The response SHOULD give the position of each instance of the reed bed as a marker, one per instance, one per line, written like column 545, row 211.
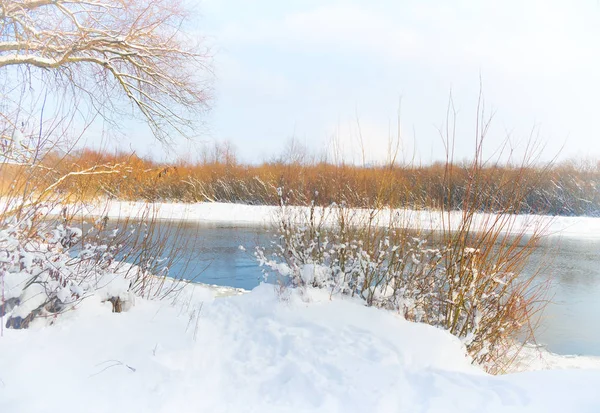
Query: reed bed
column 567, row 188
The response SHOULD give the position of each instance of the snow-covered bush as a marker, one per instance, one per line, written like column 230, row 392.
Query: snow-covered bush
column 50, row 257
column 465, row 281
column 40, row 277
column 48, row 265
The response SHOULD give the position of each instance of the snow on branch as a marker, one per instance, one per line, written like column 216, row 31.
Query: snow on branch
column 113, row 49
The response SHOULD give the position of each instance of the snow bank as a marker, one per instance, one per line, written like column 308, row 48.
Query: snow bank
column 239, row 214
column 533, row 358
column 259, row 353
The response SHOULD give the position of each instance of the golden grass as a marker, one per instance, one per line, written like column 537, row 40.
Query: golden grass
column 562, row 189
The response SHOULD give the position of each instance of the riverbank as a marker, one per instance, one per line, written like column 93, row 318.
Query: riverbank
column 265, row 216
column 265, row 352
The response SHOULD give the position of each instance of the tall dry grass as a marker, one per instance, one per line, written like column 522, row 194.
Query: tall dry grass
column 568, row 188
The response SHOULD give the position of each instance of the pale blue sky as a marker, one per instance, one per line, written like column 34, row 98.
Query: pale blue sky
column 310, row 68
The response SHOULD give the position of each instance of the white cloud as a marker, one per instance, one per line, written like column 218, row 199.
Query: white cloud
column 332, row 29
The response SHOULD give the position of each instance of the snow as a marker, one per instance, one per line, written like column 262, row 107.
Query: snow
column 264, row 215
column 307, row 273
column 533, row 358
column 219, row 349
column 258, row 352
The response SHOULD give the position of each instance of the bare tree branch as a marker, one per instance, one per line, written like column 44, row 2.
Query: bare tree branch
column 112, row 51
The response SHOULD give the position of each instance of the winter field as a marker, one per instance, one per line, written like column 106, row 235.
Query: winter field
column 272, row 349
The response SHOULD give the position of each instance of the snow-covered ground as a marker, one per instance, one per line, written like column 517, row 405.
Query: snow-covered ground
column 239, row 214
column 265, row 215
column 533, row 358
column 216, row 349
column 262, row 352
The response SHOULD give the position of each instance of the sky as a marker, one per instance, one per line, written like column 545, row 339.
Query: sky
column 332, row 74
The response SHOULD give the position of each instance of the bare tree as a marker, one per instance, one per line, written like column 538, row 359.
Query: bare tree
column 112, row 53
column 63, row 63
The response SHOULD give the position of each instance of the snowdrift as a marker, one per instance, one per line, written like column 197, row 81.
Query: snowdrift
column 266, row 351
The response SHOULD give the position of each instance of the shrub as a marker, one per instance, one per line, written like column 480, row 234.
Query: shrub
column 465, row 275
column 48, row 265
column 466, row 281
column 51, row 258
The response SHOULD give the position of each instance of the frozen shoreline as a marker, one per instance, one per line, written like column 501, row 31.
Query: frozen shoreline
column 265, row 216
